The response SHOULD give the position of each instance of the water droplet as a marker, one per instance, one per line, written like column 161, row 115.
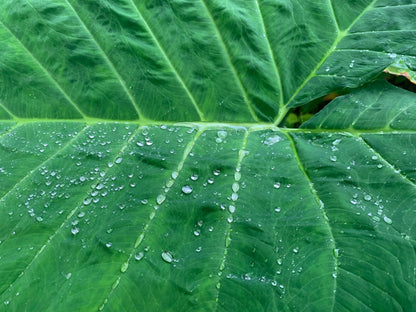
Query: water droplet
column 222, row 134
column 87, row 201
column 333, row 158
column 277, row 209
column 174, row 175
column 139, row 256
column 234, row 196
column 379, row 166
column 336, row 252
column 75, row 230
column 352, row 64
column 39, row 219
column 81, row 214
column 118, row 160
column 194, row 177
column 198, row 249
column 109, row 244
column 197, row 232
column 237, row 176
column 216, row 172
column 160, row 199
column 296, row 250
column 387, row 220
column 68, row 276
column 277, row 185
column 167, row 256
column 272, row 140
column 231, row 208
column 186, row 189
column 124, row 267
column 367, row 197
column 235, row 187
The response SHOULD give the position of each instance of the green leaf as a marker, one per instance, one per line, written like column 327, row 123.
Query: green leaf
column 143, row 166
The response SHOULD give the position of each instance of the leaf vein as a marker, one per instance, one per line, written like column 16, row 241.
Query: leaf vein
column 152, row 215
column 230, row 219
column 230, row 63
column 48, row 74
column 108, row 61
column 166, row 57
column 322, row 208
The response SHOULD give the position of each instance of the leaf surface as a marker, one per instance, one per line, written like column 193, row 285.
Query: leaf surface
column 143, row 167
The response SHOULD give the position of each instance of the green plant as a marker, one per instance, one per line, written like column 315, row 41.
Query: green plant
column 144, row 166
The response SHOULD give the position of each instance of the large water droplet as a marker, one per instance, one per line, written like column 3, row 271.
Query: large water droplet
column 160, row 198
column 235, row 187
column 387, row 220
column 167, row 256
column 272, row 140
column 139, row 256
column 367, row 197
column 186, row 189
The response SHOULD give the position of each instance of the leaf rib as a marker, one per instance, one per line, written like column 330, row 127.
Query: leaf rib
column 47, row 73
column 142, row 235
column 322, row 208
column 272, row 56
column 108, row 61
column 340, row 36
column 228, row 230
column 166, row 57
column 230, row 63
column 73, row 211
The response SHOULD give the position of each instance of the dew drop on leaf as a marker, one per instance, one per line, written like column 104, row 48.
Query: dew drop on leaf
column 277, row 185
column 333, row 158
column 367, row 197
column 139, row 256
column 160, row 198
column 124, row 267
column 167, row 256
column 272, row 140
column 387, row 220
column 186, row 189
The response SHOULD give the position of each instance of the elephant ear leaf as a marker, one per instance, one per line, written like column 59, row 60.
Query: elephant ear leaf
column 144, row 165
